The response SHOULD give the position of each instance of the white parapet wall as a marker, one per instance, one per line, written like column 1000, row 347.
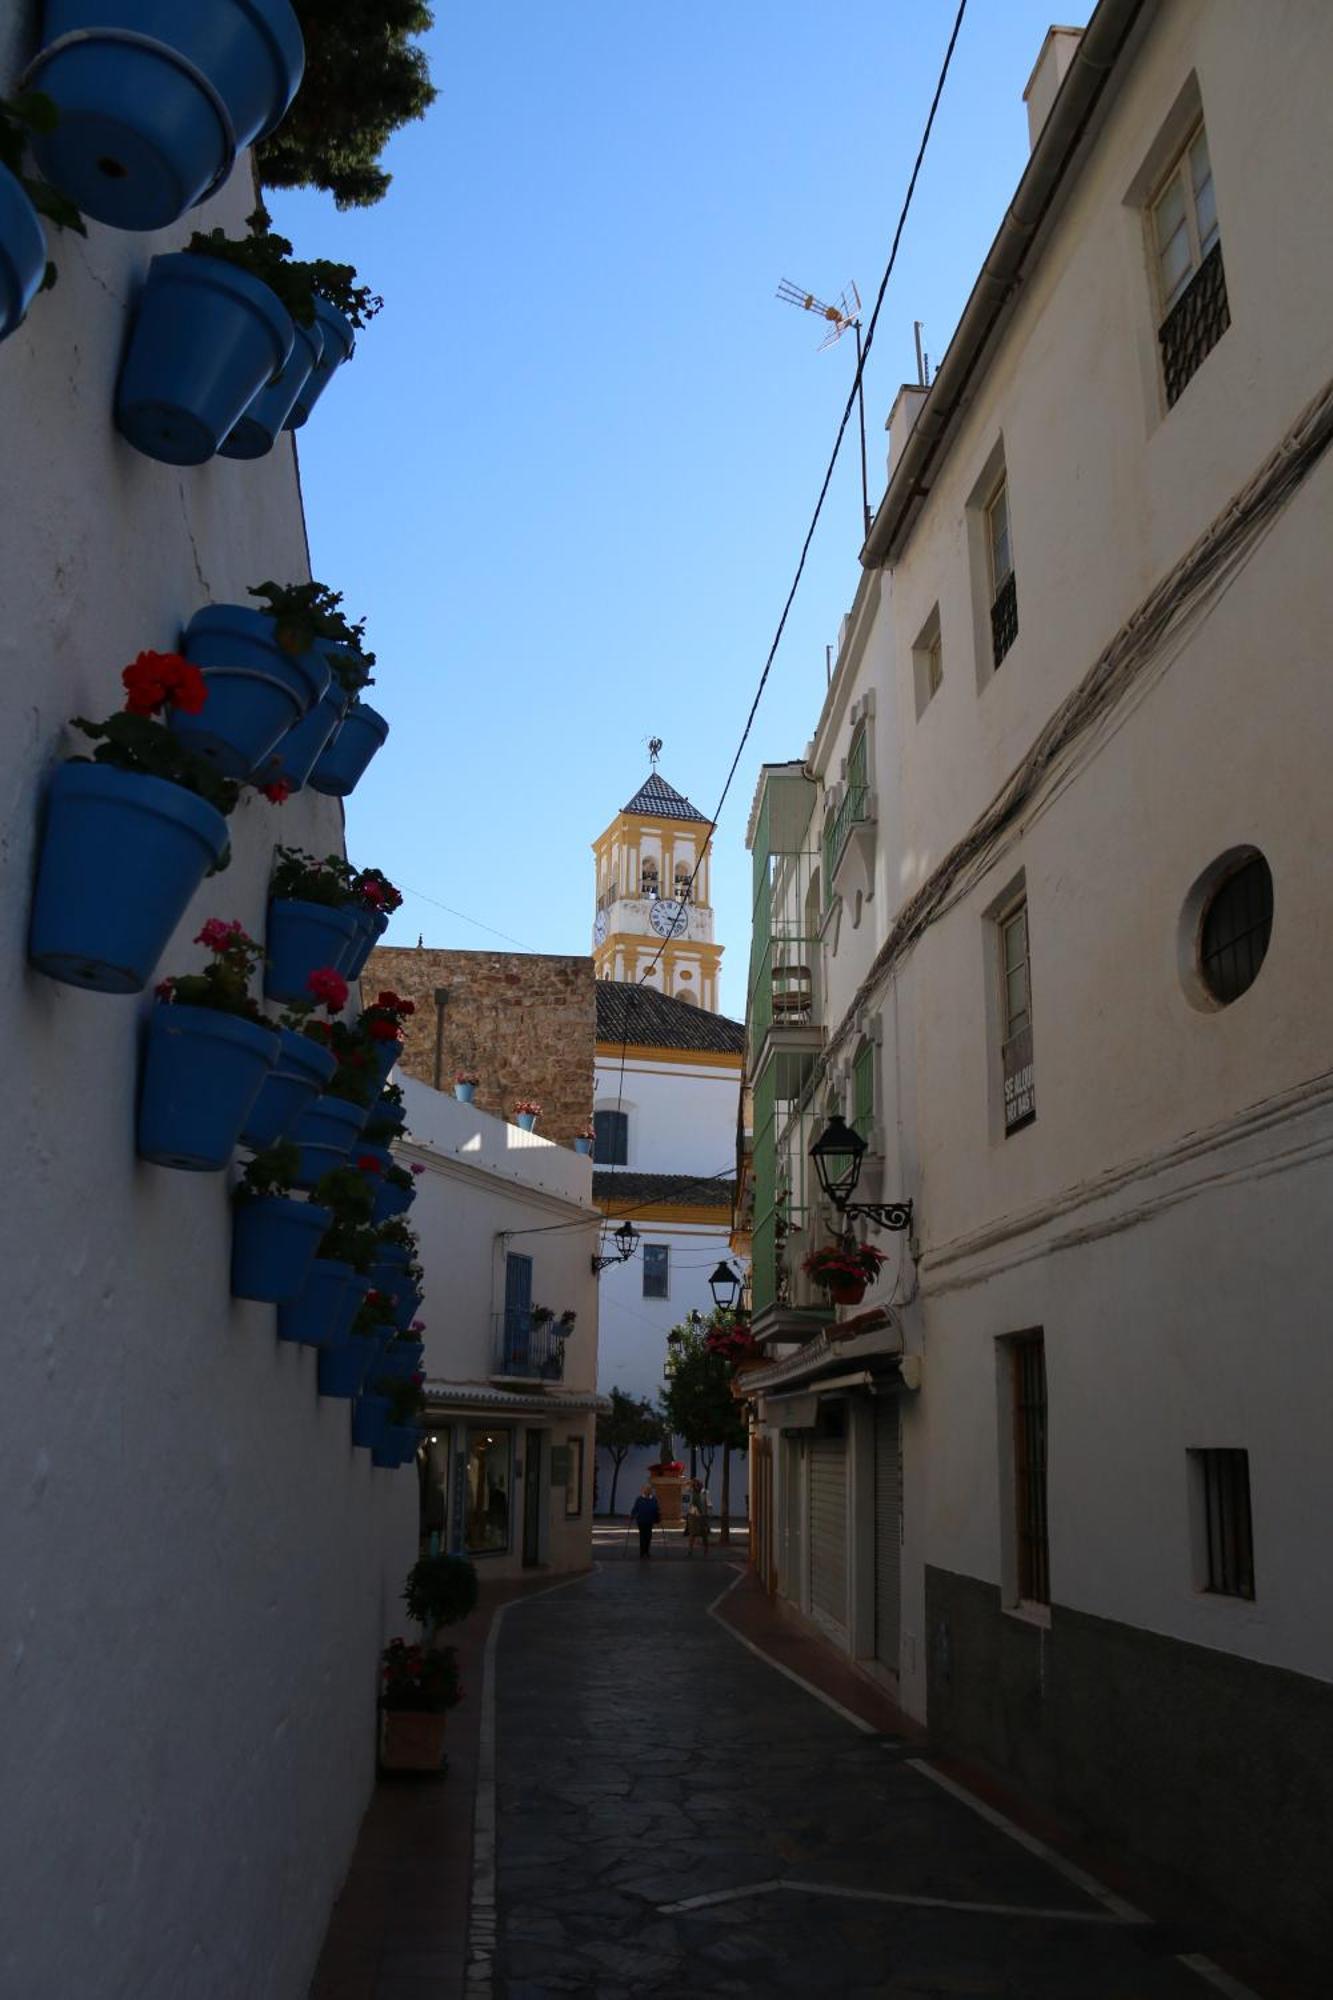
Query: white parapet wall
column 198, row 1570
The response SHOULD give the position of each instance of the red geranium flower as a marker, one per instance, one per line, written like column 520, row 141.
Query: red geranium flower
column 154, row 680
column 382, row 1031
column 329, row 988
column 368, row 1164
column 218, row 936
column 278, row 792
column 391, row 1004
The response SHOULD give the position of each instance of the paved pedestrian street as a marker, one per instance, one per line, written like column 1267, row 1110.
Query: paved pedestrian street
column 675, row 1816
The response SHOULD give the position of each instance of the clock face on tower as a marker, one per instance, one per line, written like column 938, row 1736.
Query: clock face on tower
column 599, row 928
column 668, row 919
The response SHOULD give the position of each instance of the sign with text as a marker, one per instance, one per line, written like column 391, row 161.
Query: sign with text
column 562, row 1465
column 1020, row 1103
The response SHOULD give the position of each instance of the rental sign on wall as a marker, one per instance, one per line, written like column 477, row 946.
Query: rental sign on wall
column 1020, row 1104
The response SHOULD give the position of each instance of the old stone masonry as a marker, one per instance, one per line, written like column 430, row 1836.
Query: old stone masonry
column 674, row 1816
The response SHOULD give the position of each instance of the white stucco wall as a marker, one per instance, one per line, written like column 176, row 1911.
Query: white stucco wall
column 199, row 1571
column 682, row 1115
column 488, row 1189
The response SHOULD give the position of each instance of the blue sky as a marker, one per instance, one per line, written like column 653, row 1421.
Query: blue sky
column 567, row 475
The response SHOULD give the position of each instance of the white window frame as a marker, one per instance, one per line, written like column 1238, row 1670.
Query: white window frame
column 1180, row 173
column 999, row 578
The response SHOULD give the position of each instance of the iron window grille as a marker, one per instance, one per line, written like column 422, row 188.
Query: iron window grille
column 1004, row 618
column 1195, row 324
column 1228, row 1529
column 1028, row 1359
column 1237, row 927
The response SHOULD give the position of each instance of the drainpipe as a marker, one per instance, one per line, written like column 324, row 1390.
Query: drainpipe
column 441, row 995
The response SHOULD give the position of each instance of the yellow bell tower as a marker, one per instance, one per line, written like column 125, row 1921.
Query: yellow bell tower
column 645, row 860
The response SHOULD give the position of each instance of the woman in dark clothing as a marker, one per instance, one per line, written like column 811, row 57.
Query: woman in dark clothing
column 645, row 1514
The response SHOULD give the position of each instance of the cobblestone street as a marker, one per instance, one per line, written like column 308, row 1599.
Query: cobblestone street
column 674, row 1815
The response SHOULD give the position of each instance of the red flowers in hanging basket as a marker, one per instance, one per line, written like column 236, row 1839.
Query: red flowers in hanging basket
column 846, row 1263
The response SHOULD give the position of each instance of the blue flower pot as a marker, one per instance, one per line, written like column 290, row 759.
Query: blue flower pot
column 393, row 1258
column 401, row 1360
column 259, row 429
column 465, row 1092
column 343, row 1369
column 407, row 1307
column 381, row 1155
column 206, row 339
column 370, row 1414
column 385, row 1123
column 390, row 1201
column 256, row 691
column 525, row 1120
column 322, row 1314
column 583, row 1146
column 273, row 1244
column 121, row 857
column 303, row 1068
column 343, row 764
column 295, row 755
column 202, row 1072
column 373, row 924
column 325, row 1134
column 383, row 1056
column 339, row 346
column 157, row 98
column 397, row 1446
column 303, row 938
column 22, row 253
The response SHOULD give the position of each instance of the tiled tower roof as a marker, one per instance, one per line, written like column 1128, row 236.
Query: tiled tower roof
column 656, row 797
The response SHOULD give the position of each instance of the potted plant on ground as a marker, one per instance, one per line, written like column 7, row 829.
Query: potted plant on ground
column 321, row 1315
column 526, row 1112
column 25, row 268
column 207, row 1052
column 274, row 1236
column 440, row 1590
column 417, row 1690
column 305, row 1063
column 129, row 836
column 465, row 1085
column 844, row 1269
column 156, row 103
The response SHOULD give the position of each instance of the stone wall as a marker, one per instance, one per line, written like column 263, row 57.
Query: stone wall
column 527, row 1024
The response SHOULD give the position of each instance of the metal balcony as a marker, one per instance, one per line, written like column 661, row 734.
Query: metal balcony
column 527, row 1350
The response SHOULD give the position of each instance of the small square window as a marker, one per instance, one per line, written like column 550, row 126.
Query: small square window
column 656, row 1258
column 1223, row 1530
column 928, row 663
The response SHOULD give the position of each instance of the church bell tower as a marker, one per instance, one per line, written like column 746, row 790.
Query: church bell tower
column 645, row 860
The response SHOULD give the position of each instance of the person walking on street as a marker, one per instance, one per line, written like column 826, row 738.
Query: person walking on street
column 645, row 1514
column 696, row 1518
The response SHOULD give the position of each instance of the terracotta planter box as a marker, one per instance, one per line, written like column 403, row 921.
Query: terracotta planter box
column 411, row 1740
column 668, row 1497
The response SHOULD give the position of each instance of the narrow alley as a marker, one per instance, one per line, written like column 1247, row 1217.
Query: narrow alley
column 675, row 1815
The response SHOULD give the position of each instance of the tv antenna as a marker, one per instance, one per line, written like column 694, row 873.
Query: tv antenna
column 841, row 318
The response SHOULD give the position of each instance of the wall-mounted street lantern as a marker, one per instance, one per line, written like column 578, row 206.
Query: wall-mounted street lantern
column 837, row 1154
column 725, row 1285
column 626, row 1240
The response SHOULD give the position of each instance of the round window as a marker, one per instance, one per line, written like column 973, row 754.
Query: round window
column 1234, row 928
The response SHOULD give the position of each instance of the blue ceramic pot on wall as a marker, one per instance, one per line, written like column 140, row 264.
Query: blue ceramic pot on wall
column 342, row 1370
column 303, row 938
column 391, row 1201
column 373, row 925
column 465, row 1092
column 201, row 1073
column 339, row 346
column 206, row 338
column 325, row 1134
column 401, row 1360
column 322, row 1312
column 384, row 1124
column 22, row 253
column 370, row 1414
column 121, row 857
column 157, row 98
column 259, row 429
column 397, row 1446
column 343, row 764
column 273, row 1244
column 303, row 1068
column 256, row 690
column 295, row 755
column 408, row 1305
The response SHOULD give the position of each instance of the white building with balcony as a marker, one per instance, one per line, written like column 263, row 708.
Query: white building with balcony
column 507, row 1231
column 1043, row 911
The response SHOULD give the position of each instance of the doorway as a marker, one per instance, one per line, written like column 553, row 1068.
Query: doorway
column 532, row 1499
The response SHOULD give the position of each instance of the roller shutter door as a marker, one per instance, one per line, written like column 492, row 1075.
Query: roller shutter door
column 888, row 1531
column 828, row 1532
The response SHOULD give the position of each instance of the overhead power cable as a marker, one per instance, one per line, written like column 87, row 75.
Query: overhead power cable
column 852, row 396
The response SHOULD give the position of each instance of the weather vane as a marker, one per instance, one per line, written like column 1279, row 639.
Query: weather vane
column 846, row 313
column 654, row 749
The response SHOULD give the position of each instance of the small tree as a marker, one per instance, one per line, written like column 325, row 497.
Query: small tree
column 699, row 1404
column 630, row 1422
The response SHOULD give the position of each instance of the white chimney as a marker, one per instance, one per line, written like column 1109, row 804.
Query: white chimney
column 906, row 405
column 1057, row 53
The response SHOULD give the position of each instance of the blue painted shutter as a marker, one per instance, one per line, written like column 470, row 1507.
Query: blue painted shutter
column 518, row 1306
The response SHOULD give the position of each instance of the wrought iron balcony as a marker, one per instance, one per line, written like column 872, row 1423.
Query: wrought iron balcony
column 852, row 812
column 528, row 1350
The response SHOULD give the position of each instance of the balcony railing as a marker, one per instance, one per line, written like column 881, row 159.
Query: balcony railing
column 1004, row 618
column 1195, row 323
column 852, row 811
column 528, row 1350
